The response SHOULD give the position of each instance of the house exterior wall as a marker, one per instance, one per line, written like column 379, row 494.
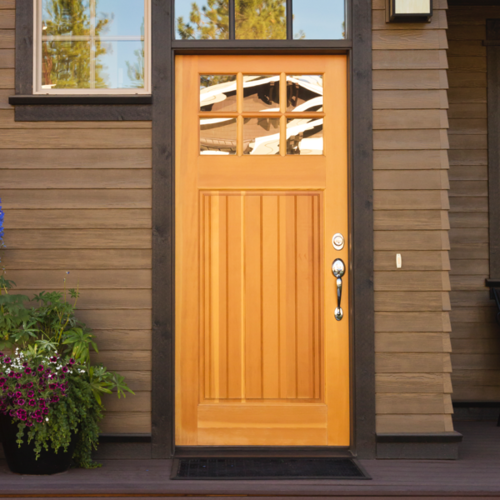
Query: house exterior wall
column 475, row 337
column 412, row 325
column 77, row 197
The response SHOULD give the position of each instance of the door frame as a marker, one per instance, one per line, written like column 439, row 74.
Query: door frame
column 362, row 368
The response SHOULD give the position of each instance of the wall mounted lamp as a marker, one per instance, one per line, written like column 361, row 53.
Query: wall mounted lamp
column 413, row 11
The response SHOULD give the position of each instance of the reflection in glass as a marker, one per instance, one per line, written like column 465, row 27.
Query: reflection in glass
column 93, row 44
column 120, row 64
column 261, row 136
column 218, row 136
column 261, row 93
column 319, row 19
column 304, row 93
column 66, row 65
column 201, row 19
column 304, row 136
column 218, row 93
column 63, row 18
column 260, row 19
column 120, row 17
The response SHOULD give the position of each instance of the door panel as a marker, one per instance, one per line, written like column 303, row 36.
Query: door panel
column 260, row 358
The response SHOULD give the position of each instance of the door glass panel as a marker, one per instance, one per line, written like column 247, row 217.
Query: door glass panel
column 260, row 19
column 304, row 136
column 261, row 136
column 218, row 93
column 304, row 93
column 218, row 136
column 319, row 19
column 261, row 93
column 202, row 19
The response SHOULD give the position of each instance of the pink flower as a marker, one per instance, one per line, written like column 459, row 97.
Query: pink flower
column 71, row 361
column 7, row 361
column 41, row 368
column 31, row 394
column 45, row 411
column 20, row 402
column 28, row 370
column 32, row 402
column 18, row 394
column 65, row 369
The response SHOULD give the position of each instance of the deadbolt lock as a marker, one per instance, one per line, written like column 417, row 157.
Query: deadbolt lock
column 338, row 241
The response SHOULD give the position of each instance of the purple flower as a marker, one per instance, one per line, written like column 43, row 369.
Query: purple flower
column 18, row 394
column 41, row 368
column 65, row 369
column 29, row 385
column 37, row 413
column 29, row 424
column 39, row 420
column 7, row 361
column 41, row 403
column 28, row 370
column 54, row 399
column 45, row 411
column 2, row 381
column 52, row 386
column 12, row 375
column 20, row 402
column 53, row 359
column 2, row 354
column 62, row 377
column 71, row 361
column 31, row 394
column 19, row 375
column 25, row 364
column 32, row 402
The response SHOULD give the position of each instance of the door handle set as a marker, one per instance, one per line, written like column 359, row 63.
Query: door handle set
column 338, row 271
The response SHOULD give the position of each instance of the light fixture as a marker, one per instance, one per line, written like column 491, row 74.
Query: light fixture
column 413, row 11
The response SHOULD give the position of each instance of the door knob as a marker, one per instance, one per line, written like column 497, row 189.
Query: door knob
column 338, row 271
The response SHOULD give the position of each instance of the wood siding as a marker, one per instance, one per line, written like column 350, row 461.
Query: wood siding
column 77, row 198
column 475, row 336
column 412, row 324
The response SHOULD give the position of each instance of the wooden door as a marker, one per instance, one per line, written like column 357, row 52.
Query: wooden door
column 260, row 358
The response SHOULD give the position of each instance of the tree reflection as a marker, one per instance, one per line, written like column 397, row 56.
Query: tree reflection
column 73, row 50
column 254, row 19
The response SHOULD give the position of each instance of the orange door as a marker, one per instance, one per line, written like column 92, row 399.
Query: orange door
column 261, row 359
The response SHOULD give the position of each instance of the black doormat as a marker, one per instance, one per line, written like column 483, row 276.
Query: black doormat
column 267, row 468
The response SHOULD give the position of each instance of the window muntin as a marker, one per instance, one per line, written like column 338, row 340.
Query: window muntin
column 260, row 19
column 244, row 114
column 92, row 46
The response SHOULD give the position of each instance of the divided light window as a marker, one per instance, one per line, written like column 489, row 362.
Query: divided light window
column 92, row 47
column 260, row 20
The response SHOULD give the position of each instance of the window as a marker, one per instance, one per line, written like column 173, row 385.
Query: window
column 260, row 19
column 92, row 47
column 261, row 114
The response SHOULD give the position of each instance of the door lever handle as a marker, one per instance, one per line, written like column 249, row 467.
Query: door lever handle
column 338, row 270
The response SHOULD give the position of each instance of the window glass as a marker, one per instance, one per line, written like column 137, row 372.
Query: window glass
column 201, row 19
column 304, row 136
column 260, row 19
column 319, row 19
column 218, row 93
column 304, row 93
column 93, row 44
column 261, row 93
column 218, row 136
column 261, row 136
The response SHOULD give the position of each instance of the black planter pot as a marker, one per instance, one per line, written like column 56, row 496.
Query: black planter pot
column 21, row 460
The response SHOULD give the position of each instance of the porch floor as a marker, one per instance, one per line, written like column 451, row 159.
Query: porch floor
column 475, row 475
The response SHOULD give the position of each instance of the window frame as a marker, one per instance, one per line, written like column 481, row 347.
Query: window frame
column 37, row 61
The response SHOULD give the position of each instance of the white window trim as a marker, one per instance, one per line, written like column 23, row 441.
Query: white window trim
column 37, row 59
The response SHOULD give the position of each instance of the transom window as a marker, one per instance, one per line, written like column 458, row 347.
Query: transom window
column 92, row 46
column 244, row 114
column 260, row 19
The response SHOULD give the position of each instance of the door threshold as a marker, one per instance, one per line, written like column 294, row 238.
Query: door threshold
column 263, row 451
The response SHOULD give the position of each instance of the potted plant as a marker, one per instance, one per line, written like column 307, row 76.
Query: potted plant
column 50, row 391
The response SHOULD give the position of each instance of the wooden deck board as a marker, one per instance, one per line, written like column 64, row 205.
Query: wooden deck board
column 475, row 475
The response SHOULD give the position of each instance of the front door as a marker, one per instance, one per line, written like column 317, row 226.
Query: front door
column 262, row 359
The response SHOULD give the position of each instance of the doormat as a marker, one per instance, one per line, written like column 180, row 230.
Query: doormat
column 267, row 468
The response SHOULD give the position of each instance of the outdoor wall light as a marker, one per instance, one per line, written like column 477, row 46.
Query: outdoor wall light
column 414, row 11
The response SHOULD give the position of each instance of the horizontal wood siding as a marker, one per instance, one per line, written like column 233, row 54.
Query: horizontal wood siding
column 475, row 335
column 77, row 198
column 412, row 324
